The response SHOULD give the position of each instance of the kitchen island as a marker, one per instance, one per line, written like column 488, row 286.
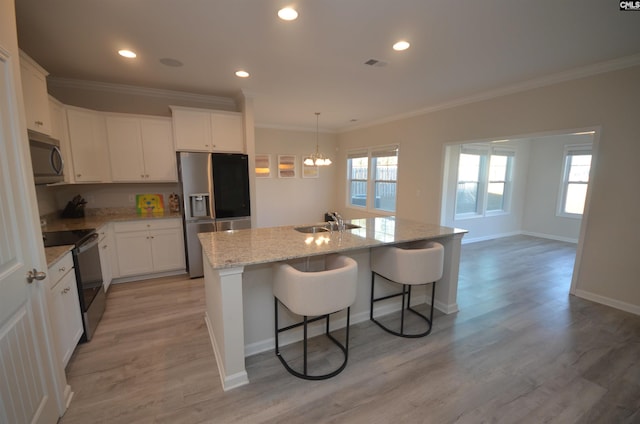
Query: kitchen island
column 238, row 286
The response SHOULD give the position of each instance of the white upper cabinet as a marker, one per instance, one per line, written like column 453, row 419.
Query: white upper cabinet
column 36, row 99
column 141, row 149
column 227, row 132
column 125, row 149
column 159, row 155
column 88, row 139
column 203, row 130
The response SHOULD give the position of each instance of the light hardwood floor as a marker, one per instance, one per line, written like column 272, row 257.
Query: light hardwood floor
column 521, row 350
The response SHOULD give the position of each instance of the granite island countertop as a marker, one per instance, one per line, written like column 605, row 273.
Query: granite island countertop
column 235, row 248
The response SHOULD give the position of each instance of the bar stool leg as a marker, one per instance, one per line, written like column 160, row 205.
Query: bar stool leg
column 275, row 308
column 305, row 346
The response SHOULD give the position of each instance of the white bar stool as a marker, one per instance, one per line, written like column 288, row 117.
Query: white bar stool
column 417, row 264
column 318, row 294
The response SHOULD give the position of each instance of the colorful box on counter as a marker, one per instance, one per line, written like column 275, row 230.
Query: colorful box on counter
column 149, row 204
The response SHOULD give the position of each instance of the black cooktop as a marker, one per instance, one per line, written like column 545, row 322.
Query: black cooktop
column 61, row 238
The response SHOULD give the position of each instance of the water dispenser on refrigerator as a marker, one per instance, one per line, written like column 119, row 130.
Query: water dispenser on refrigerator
column 199, row 205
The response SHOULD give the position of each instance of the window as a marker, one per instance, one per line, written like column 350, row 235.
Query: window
column 500, row 164
column 381, row 181
column 575, row 180
column 484, row 180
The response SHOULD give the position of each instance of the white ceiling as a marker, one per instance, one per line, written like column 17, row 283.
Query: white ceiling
column 459, row 49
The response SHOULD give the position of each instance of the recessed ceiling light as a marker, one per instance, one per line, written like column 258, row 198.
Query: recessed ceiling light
column 127, row 53
column 287, row 14
column 401, row 45
column 242, row 74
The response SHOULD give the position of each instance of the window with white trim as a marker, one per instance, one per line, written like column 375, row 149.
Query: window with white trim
column 575, row 180
column 381, row 181
column 484, row 181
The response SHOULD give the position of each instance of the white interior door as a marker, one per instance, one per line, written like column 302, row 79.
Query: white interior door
column 27, row 388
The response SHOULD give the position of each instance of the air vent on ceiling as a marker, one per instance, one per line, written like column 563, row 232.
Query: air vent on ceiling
column 375, row 62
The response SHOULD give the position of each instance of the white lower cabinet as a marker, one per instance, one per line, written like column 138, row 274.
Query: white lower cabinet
column 149, row 246
column 64, row 307
column 106, row 246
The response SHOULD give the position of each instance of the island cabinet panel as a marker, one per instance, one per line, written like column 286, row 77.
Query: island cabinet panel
column 202, row 130
column 141, row 149
column 64, row 308
column 149, row 246
column 88, row 139
column 36, row 99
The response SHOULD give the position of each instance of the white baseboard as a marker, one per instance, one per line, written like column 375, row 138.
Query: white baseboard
column 142, row 277
column 550, row 237
column 623, row 306
column 467, row 240
column 68, row 396
column 228, row 381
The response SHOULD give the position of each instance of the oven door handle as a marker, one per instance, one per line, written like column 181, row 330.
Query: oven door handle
column 91, row 242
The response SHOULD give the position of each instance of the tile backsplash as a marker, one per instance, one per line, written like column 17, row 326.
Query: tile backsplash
column 53, row 199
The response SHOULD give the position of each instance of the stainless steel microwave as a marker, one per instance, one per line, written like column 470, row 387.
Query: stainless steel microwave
column 46, row 159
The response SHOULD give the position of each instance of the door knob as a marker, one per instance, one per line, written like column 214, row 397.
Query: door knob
column 35, row 275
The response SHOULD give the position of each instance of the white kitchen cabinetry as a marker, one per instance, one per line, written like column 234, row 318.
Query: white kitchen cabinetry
column 105, row 244
column 203, row 130
column 36, row 99
column 149, row 246
column 59, row 132
column 141, row 149
column 64, row 307
column 88, row 139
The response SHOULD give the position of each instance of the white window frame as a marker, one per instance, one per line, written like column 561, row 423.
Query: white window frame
column 508, row 181
column 485, row 152
column 571, row 150
column 371, row 153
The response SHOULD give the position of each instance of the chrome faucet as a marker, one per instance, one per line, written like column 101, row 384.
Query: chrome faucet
column 338, row 219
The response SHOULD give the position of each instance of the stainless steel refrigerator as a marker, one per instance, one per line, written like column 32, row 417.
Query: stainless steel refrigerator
column 215, row 197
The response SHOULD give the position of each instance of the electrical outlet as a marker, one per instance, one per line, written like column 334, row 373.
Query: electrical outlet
column 90, row 199
column 132, row 199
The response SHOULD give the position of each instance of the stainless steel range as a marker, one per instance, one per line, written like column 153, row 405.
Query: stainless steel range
column 86, row 261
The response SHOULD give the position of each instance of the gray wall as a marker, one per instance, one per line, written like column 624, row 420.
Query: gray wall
column 543, row 187
column 607, row 262
column 290, row 201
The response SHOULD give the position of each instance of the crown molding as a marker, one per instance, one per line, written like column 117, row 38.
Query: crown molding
column 216, row 102
column 572, row 74
column 292, row 128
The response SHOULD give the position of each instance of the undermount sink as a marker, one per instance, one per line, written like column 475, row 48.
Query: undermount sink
column 312, row 229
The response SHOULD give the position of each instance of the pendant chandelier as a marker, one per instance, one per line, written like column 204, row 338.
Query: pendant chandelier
column 317, row 158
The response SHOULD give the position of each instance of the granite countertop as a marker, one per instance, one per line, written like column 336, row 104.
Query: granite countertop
column 263, row 245
column 96, row 220
column 55, row 253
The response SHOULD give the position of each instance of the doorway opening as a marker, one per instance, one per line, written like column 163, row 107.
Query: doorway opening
column 534, row 185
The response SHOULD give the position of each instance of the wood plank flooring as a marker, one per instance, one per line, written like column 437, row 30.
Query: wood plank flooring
column 521, row 350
